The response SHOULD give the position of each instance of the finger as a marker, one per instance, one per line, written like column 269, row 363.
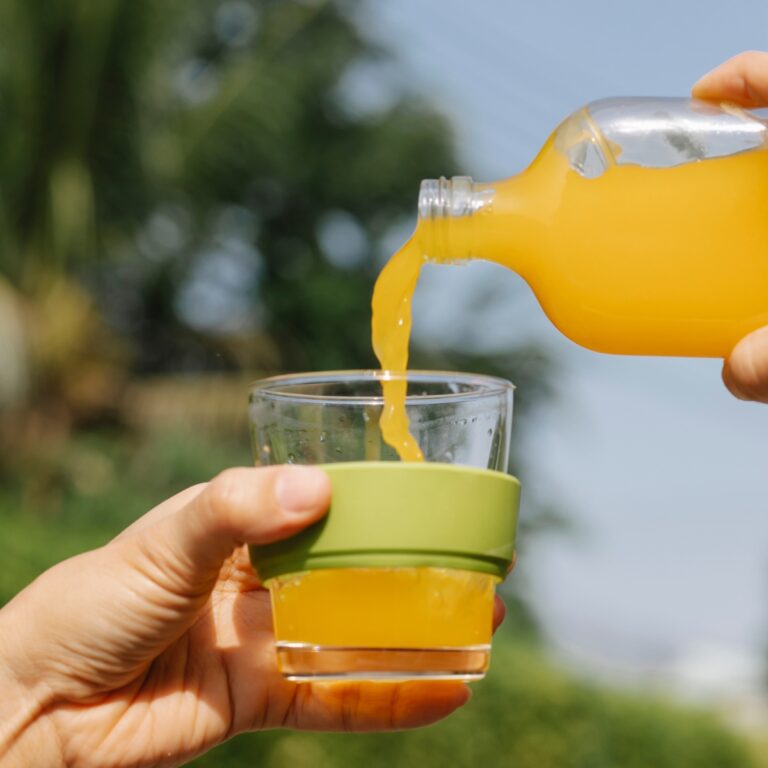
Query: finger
column 499, row 612
column 244, row 505
column 364, row 707
column 745, row 372
column 742, row 80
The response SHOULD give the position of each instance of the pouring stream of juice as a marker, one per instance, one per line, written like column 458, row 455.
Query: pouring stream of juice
column 651, row 261
column 391, row 323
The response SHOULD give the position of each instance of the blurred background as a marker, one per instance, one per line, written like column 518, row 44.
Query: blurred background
column 196, row 194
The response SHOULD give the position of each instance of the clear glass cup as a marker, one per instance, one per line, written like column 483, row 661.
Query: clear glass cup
column 322, row 418
column 394, row 621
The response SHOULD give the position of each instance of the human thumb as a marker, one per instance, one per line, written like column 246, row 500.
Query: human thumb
column 186, row 550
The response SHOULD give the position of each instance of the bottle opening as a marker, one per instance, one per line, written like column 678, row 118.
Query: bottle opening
column 449, row 198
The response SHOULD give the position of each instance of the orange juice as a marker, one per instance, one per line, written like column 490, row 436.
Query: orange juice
column 391, row 332
column 639, row 260
column 377, row 617
column 435, row 607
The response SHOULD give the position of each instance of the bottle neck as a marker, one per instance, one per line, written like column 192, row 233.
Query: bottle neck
column 447, row 209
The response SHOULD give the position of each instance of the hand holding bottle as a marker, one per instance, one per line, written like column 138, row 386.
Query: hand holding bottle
column 742, row 80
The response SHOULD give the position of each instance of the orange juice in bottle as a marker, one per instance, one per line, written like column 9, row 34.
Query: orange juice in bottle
column 641, row 226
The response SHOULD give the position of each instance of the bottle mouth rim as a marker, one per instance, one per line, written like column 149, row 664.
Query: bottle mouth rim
column 445, row 198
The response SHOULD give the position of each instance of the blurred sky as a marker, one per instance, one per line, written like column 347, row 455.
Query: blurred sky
column 666, row 474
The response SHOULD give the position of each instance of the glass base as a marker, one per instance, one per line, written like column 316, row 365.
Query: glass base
column 303, row 662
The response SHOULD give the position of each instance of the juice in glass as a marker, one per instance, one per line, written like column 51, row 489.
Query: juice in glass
column 379, row 612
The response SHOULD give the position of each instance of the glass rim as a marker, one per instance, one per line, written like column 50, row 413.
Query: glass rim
column 480, row 386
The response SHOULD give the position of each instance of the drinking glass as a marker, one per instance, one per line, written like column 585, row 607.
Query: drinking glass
column 398, row 580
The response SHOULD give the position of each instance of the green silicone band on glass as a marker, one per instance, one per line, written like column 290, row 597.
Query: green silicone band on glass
column 394, row 514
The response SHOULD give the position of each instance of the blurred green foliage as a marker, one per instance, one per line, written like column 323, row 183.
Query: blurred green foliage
column 199, row 166
column 99, row 485
column 207, row 174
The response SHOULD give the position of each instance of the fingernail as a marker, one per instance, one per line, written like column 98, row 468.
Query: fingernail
column 301, row 489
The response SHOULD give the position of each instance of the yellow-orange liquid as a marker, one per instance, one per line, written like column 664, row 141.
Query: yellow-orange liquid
column 646, row 261
column 391, row 323
column 383, row 622
column 384, row 608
